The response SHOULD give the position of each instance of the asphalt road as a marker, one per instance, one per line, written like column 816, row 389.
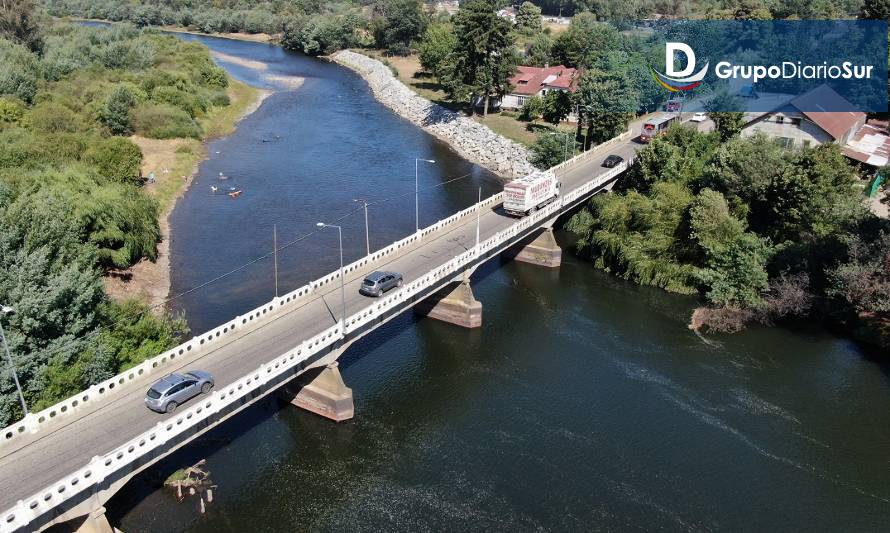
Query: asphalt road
column 51, row 455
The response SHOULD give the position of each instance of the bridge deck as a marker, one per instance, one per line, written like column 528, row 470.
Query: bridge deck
column 49, row 455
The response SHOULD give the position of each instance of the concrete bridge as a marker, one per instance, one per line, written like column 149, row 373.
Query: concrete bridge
column 63, row 463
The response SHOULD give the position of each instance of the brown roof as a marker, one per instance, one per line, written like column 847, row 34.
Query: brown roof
column 836, row 123
column 870, row 145
column 530, row 80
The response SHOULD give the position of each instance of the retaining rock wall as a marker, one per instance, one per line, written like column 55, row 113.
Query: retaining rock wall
column 472, row 140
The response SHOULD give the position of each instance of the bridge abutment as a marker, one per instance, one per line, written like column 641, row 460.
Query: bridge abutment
column 96, row 522
column 454, row 304
column 539, row 249
column 325, row 394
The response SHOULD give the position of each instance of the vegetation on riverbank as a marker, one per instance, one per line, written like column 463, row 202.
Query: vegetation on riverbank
column 73, row 199
column 760, row 232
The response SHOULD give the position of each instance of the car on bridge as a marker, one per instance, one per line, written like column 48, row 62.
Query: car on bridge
column 378, row 282
column 612, row 161
column 173, row 390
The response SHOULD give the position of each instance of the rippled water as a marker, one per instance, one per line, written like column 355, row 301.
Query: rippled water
column 582, row 403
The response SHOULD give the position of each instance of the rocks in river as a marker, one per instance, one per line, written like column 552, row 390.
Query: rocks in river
column 470, row 139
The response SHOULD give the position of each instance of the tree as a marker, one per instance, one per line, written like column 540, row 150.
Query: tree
column 606, row 102
column 727, row 123
column 435, row 50
column 533, row 108
column 117, row 111
column 537, row 52
column 397, row 24
column 586, row 42
column 875, row 9
column 528, row 18
column 557, row 105
column 484, row 57
column 18, row 23
column 117, row 158
column 548, row 150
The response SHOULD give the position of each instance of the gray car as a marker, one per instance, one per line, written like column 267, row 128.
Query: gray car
column 376, row 283
column 173, row 390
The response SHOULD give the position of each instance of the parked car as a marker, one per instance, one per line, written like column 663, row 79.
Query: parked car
column 173, row 390
column 612, row 161
column 376, row 283
column 699, row 117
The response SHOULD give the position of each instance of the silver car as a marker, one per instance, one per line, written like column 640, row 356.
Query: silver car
column 376, row 283
column 173, row 390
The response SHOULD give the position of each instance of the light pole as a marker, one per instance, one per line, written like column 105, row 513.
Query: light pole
column 478, row 218
column 6, row 310
column 367, row 234
column 342, row 281
column 417, row 193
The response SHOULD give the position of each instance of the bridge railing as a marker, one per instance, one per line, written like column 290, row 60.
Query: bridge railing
column 595, row 151
column 160, row 364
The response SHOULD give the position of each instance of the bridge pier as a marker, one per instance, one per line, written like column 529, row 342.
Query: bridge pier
column 454, row 304
column 96, row 522
column 539, row 249
column 325, row 394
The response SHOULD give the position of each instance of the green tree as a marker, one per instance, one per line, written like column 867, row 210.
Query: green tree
column 116, row 114
column 585, row 42
column 19, row 23
column 727, row 123
column 397, row 23
column 606, row 102
column 875, row 9
column 533, row 108
column 435, row 50
column 537, row 51
column 528, row 18
column 557, row 105
column 484, row 57
column 117, row 159
column 548, row 150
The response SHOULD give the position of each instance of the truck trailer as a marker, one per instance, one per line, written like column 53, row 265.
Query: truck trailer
column 529, row 193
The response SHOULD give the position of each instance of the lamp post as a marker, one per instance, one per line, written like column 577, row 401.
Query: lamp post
column 417, row 193
column 478, row 218
column 6, row 310
column 342, row 281
column 367, row 233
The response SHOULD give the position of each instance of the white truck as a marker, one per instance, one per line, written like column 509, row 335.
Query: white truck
column 525, row 195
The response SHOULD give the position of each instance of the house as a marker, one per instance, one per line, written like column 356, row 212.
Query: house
column 795, row 125
column 537, row 81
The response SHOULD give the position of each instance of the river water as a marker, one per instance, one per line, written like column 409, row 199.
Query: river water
column 582, row 403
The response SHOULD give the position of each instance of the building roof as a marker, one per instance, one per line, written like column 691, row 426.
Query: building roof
column 530, row 80
column 870, row 145
column 835, row 123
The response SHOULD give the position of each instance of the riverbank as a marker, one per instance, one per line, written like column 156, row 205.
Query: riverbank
column 173, row 164
column 265, row 38
column 472, row 140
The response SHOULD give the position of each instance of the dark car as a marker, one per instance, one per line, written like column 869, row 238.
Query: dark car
column 612, row 160
column 379, row 282
column 173, row 390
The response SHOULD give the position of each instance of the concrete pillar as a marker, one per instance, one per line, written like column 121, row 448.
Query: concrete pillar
column 454, row 304
column 540, row 249
column 325, row 395
column 96, row 522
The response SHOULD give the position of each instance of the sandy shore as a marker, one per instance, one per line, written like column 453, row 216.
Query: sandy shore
column 149, row 280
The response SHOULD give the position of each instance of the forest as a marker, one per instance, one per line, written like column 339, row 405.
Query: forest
column 72, row 204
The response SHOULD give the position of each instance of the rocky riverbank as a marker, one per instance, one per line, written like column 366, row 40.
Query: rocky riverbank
column 470, row 139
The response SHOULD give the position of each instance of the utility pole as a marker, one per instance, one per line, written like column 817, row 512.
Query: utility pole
column 5, row 310
column 342, row 281
column 367, row 232
column 417, row 193
column 478, row 218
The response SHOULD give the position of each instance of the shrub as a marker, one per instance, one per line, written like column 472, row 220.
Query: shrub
column 50, row 117
column 116, row 159
column 177, row 98
column 116, row 114
column 163, row 121
column 219, row 99
column 11, row 110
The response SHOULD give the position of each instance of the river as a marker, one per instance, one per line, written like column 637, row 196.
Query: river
column 582, row 403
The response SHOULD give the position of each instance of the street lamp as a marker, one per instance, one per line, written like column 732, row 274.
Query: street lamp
column 342, row 281
column 417, row 193
column 367, row 234
column 6, row 310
